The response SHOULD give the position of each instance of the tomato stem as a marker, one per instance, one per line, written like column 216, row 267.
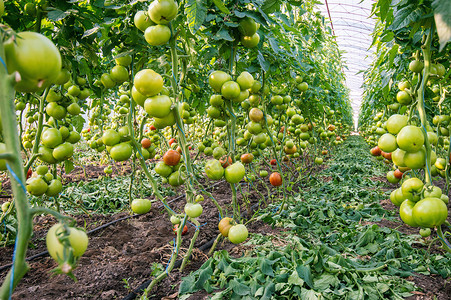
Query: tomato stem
column 426, row 48
column 12, row 142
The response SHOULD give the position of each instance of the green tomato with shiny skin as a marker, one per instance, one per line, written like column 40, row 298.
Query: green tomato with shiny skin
column 430, row 212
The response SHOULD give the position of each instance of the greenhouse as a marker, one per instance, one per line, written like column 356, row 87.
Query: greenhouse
column 217, row 149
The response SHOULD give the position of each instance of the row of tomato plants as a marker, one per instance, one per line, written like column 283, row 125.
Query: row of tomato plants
column 131, row 112
column 409, row 126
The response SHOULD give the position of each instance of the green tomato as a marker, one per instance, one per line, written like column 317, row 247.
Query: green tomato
column 2, row 161
column 56, row 111
column 158, row 106
column 392, row 178
column 63, row 77
column 247, row 26
column 245, row 80
column 161, row 123
column 73, row 90
column 303, row 86
column 157, row 35
column 214, row 169
column 55, row 187
column 107, row 81
column 230, row 90
column 141, row 206
column 2, row 8
column 163, row 169
column 318, row 160
column 387, row 143
column 63, row 151
column 235, row 172
column 412, row 186
column 238, row 233
column 406, row 213
column 432, row 191
column 425, row 232
column 263, row 173
column 73, row 137
column 78, row 241
column 176, row 178
column 46, row 155
column 74, row 109
column 142, row 21
column 5, row 206
column 193, row 210
column 121, row 151
column 396, row 122
column 218, row 152
column 35, row 57
column 110, row 137
column 36, row 186
column 138, row 97
column 148, row 82
column 175, row 220
column 250, row 41
column 119, row 74
column 410, row 139
column 42, row 170
column 162, row 11
column 217, row 79
column 430, row 212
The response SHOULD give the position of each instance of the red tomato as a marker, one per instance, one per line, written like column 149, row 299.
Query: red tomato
column 171, row 157
column 273, row 162
column 172, row 141
column 275, row 179
column 29, row 172
column 376, row 151
column 145, row 143
column 386, row 155
column 184, row 231
column 152, row 127
column 398, row 174
column 225, row 161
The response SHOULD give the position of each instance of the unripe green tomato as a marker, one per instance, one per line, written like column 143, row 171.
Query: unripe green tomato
column 141, row 206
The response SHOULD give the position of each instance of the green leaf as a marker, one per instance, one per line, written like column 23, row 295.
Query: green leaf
column 325, row 281
column 187, row 284
column 195, row 13
column 405, row 16
column 295, row 279
column 308, row 295
column 220, row 5
column 78, row 122
column 239, row 288
column 68, row 166
column 91, row 31
column 266, row 268
column 203, row 277
column 270, row 6
column 442, row 17
column 263, row 63
column 223, row 34
column 57, row 15
column 274, row 45
column 305, row 273
column 269, row 290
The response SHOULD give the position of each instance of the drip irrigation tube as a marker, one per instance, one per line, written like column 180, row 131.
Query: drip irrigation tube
column 44, row 253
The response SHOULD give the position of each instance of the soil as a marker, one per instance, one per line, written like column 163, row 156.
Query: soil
column 121, row 257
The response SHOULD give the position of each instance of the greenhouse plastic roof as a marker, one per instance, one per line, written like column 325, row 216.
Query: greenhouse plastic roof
column 352, row 28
